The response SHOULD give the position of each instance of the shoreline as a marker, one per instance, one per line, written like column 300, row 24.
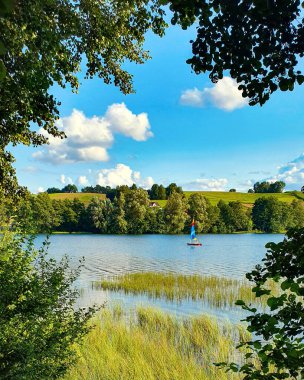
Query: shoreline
column 201, row 234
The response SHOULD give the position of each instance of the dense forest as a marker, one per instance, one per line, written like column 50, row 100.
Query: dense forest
column 132, row 212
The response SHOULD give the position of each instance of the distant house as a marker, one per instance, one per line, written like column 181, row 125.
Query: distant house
column 154, row 204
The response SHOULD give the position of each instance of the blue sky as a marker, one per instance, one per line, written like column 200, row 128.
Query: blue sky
column 178, row 127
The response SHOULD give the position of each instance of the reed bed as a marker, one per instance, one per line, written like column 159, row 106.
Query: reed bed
column 151, row 345
column 218, row 292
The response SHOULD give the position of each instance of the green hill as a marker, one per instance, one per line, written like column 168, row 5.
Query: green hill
column 213, row 196
column 83, row 197
column 246, row 198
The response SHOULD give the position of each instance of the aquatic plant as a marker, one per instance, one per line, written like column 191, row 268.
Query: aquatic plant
column 149, row 345
column 217, row 291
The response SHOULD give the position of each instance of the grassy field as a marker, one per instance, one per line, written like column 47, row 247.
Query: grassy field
column 213, row 196
column 151, row 345
column 83, row 197
column 220, row 292
column 246, row 198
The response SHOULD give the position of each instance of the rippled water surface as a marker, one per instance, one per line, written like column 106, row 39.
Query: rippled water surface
column 106, row 255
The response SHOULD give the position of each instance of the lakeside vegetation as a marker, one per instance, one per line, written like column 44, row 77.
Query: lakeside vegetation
column 132, row 212
column 247, row 199
column 220, row 292
column 151, row 345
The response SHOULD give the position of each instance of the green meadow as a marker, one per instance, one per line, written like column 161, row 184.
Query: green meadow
column 151, row 345
column 82, row 197
column 246, row 199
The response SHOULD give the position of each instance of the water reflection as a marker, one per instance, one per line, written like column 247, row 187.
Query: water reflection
column 220, row 255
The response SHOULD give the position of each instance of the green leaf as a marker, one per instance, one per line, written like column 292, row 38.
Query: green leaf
column 2, row 71
column 240, row 303
column 284, row 84
column 285, row 285
column 300, row 79
column 257, row 345
column 295, row 288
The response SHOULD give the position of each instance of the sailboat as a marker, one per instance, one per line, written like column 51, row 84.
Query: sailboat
column 193, row 239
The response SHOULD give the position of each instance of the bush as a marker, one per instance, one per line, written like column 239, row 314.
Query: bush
column 39, row 325
column 277, row 352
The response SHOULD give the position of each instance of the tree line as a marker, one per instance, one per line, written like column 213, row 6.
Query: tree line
column 157, row 192
column 269, row 187
column 131, row 212
column 160, row 192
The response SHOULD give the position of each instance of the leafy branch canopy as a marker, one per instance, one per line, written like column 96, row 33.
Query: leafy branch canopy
column 278, row 346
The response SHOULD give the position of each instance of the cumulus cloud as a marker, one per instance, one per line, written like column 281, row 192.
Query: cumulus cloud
column 147, row 183
column 40, row 190
column 88, row 139
column 192, row 97
column 83, row 181
column 122, row 175
column 65, row 180
column 224, row 95
column 122, row 120
column 291, row 173
column 205, row 184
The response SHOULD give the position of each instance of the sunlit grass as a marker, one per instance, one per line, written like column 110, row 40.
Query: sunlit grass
column 151, row 345
column 82, row 197
column 247, row 199
column 219, row 292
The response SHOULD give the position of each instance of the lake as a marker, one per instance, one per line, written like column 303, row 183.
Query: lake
column 107, row 255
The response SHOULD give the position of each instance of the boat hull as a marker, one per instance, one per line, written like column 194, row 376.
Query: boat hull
column 195, row 244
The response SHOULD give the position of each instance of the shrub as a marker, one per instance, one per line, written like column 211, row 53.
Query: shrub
column 278, row 347
column 39, row 324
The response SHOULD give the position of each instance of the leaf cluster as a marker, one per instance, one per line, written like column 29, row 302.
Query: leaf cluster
column 278, row 350
column 39, row 324
column 259, row 42
column 47, row 43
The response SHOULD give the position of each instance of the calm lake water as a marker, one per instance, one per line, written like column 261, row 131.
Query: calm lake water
column 107, row 255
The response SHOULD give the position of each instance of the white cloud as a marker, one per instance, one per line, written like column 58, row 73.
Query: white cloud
column 147, row 183
column 88, row 139
column 122, row 175
column 192, row 97
column 291, row 173
column 65, row 180
column 83, row 181
column 205, row 184
column 92, row 153
column 62, row 179
column 40, row 190
column 123, row 121
column 224, row 95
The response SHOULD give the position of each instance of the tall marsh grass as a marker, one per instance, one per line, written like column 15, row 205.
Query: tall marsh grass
column 219, row 292
column 151, row 345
